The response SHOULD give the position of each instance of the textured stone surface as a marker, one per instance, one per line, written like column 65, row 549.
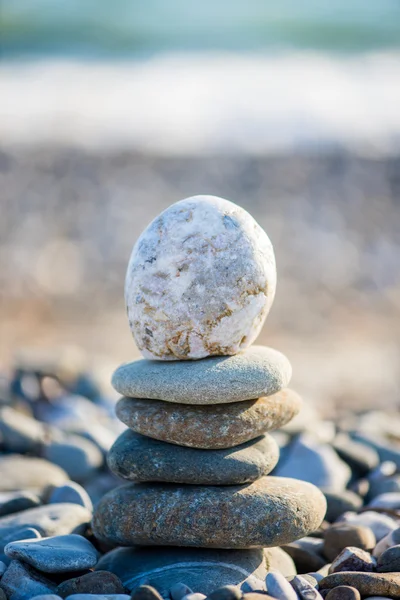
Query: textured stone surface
column 268, row 512
column 97, row 582
column 304, row 589
column 368, row 584
column 255, row 372
column 353, row 559
column 389, row 560
column 278, row 560
column 52, row 519
column 203, row 570
column 140, row 459
column 343, row 592
column 26, row 472
column 56, row 554
column 208, row 427
column 200, row 281
column 21, row 582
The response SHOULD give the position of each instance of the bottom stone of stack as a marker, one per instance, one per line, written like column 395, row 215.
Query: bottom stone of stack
column 268, row 512
column 203, row 570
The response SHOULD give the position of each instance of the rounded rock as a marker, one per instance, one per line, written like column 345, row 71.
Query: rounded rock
column 51, row 519
column 343, row 592
column 208, row 427
column 26, row 472
column 200, row 248
column 203, row 570
column 95, row 582
column 368, row 584
column 256, row 372
column 340, row 536
column 142, row 459
column 269, row 512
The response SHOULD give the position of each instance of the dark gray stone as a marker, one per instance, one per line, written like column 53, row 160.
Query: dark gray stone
column 389, row 560
column 368, row 584
column 360, row 457
column 19, row 432
column 12, row 502
column 79, row 457
column 72, row 492
column 179, row 590
column 56, row 554
column 142, row 459
column 96, row 582
column 268, row 512
column 22, row 582
column 341, row 502
column 306, row 553
column 253, row 373
column 353, row 559
column 203, row 570
column 146, row 592
column 52, row 519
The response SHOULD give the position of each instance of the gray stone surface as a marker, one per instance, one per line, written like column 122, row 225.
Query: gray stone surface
column 95, row 582
column 140, row 459
column 268, row 512
column 256, row 372
column 368, row 584
column 341, row 535
column 316, row 463
column 203, row 570
column 79, row 457
column 380, row 524
column 208, row 427
column 341, row 502
column 304, row 589
column 22, row 582
column 51, row 519
column 19, row 472
column 389, row 560
column 71, row 492
column 279, row 587
column 19, row 432
column 56, row 554
column 353, row 559
column 278, row 560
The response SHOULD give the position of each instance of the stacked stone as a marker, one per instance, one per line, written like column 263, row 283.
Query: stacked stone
column 200, row 283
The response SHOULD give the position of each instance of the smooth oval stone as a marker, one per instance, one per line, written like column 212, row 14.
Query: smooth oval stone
column 22, row 582
column 56, row 554
column 79, row 457
column 52, row 519
column 200, row 281
column 203, row 570
column 279, row 587
column 268, row 512
column 71, row 492
column 379, row 584
column 208, row 427
column 140, row 459
column 19, row 432
column 26, row 472
column 389, row 560
column 95, row 582
column 341, row 502
column 278, row 560
column 255, row 372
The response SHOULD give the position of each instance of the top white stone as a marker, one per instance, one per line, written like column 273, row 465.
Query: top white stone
column 200, row 281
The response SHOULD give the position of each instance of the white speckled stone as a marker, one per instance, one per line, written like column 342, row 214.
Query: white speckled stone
column 200, row 281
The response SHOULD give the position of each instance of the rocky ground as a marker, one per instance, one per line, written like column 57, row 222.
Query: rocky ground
column 56, row 426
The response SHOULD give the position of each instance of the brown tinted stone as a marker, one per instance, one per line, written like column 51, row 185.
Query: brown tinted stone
column 353, row 559
column 343, row 592
column 339, row 536
column 269, row 512
column 212, row 426
column 368, row 584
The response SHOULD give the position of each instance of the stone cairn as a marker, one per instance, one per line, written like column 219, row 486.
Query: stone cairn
column 197, row 454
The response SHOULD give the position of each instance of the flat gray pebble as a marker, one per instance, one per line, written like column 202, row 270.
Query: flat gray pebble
column 72, row 492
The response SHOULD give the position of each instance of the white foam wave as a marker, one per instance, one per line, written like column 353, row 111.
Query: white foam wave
column 205, row 103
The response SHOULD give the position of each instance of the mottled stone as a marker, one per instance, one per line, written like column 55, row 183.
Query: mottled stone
column 203, row 570
column 28, row 473
column 200, row 281
column 12, row 502
column 268, row 512
column 22, row 582
column 389, row 560
column 256, row 372
column 140, row 459
column 52, row 519
column 95, row 582
column 58, row 554
column 353, row 559
column 341, row 535
column 379, row 584
column 343, row 592
column 208, row 427
column 304, row 589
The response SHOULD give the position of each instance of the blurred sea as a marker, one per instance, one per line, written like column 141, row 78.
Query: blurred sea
column 178, row 77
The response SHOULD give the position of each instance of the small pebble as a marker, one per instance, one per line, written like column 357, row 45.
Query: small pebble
column 145, row 592
column 343, row 592
column 227, row 592
column 179, row 590
column 252, row 584
column 380, row 524
column 389, row 560
column 353, row 559
column 304, row 589
column 306, row 554
column 21, row 582
column 71, row 492
column 194, row 596
column 96, row 582
column 392, row 539
column 279, row 587
column 12, row 502
column 341, row 535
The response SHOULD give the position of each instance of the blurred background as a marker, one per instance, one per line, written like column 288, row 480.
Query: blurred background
column 111, row 111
